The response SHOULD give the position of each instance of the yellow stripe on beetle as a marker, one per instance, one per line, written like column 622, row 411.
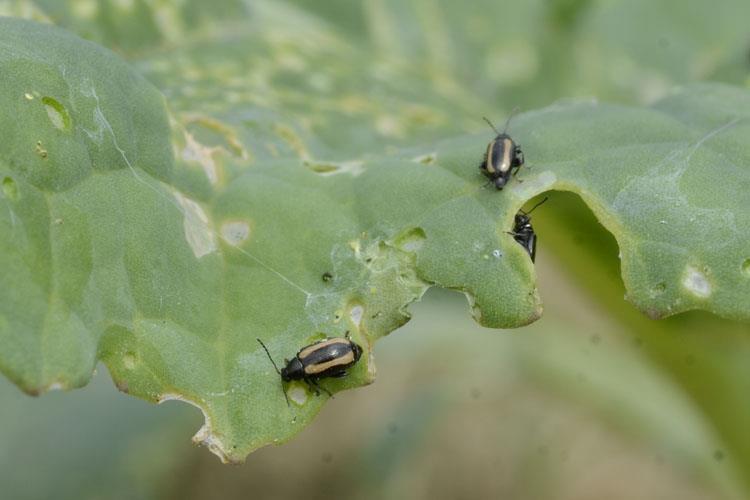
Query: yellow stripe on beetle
column 307, row 351
column 488, row 165
column 345, row 361
column 508, row 148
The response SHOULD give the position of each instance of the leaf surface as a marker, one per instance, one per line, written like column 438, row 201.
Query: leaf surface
column 165, row 242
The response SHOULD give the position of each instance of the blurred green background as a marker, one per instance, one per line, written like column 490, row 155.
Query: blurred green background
column 593, row 401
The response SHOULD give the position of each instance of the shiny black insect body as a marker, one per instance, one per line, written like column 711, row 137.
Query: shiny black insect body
column 328, row 358
column 523, row 232
column 503, row 157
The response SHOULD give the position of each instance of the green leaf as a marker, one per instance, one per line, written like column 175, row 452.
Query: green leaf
column 169, row 270
column 80, row 130
column 675, row 192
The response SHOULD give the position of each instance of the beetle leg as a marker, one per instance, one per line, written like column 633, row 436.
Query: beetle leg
column 313, row 383
column 483, row 169
column 330, row 394
column 313, row 387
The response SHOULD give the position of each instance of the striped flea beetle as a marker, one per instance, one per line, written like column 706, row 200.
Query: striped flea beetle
column 329, row 357
column 523, row 232
column 503, row 157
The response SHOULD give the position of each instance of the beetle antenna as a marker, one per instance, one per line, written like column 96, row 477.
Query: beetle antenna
column 284, row 393
column 535, row 206
column 277, row 370
column 269, row 355
column 491, row 124
column 512, row 114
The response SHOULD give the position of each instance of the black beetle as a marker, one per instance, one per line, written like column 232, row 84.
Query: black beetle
column 523, row 232
column 503, row 157
column 329, row 357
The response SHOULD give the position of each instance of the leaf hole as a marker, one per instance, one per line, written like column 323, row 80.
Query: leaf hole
column 426, row 159
column 316, row 337
column 322, row 168
column 297, row 394
column 129, row 360
column 57, row 113
column 235, row 232
column 356, row 312
column 293, row 140
column 411, row 240
column 354, row 167
column 197, row 227
column 213, row 133
column 696, row 283
column 10, row 189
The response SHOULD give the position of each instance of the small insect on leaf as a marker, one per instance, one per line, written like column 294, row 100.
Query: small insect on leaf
column 523, row 232
column 503, row 157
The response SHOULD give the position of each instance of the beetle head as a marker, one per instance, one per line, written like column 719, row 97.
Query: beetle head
column 357, row 350
column 521, row 220
column 293, row 370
